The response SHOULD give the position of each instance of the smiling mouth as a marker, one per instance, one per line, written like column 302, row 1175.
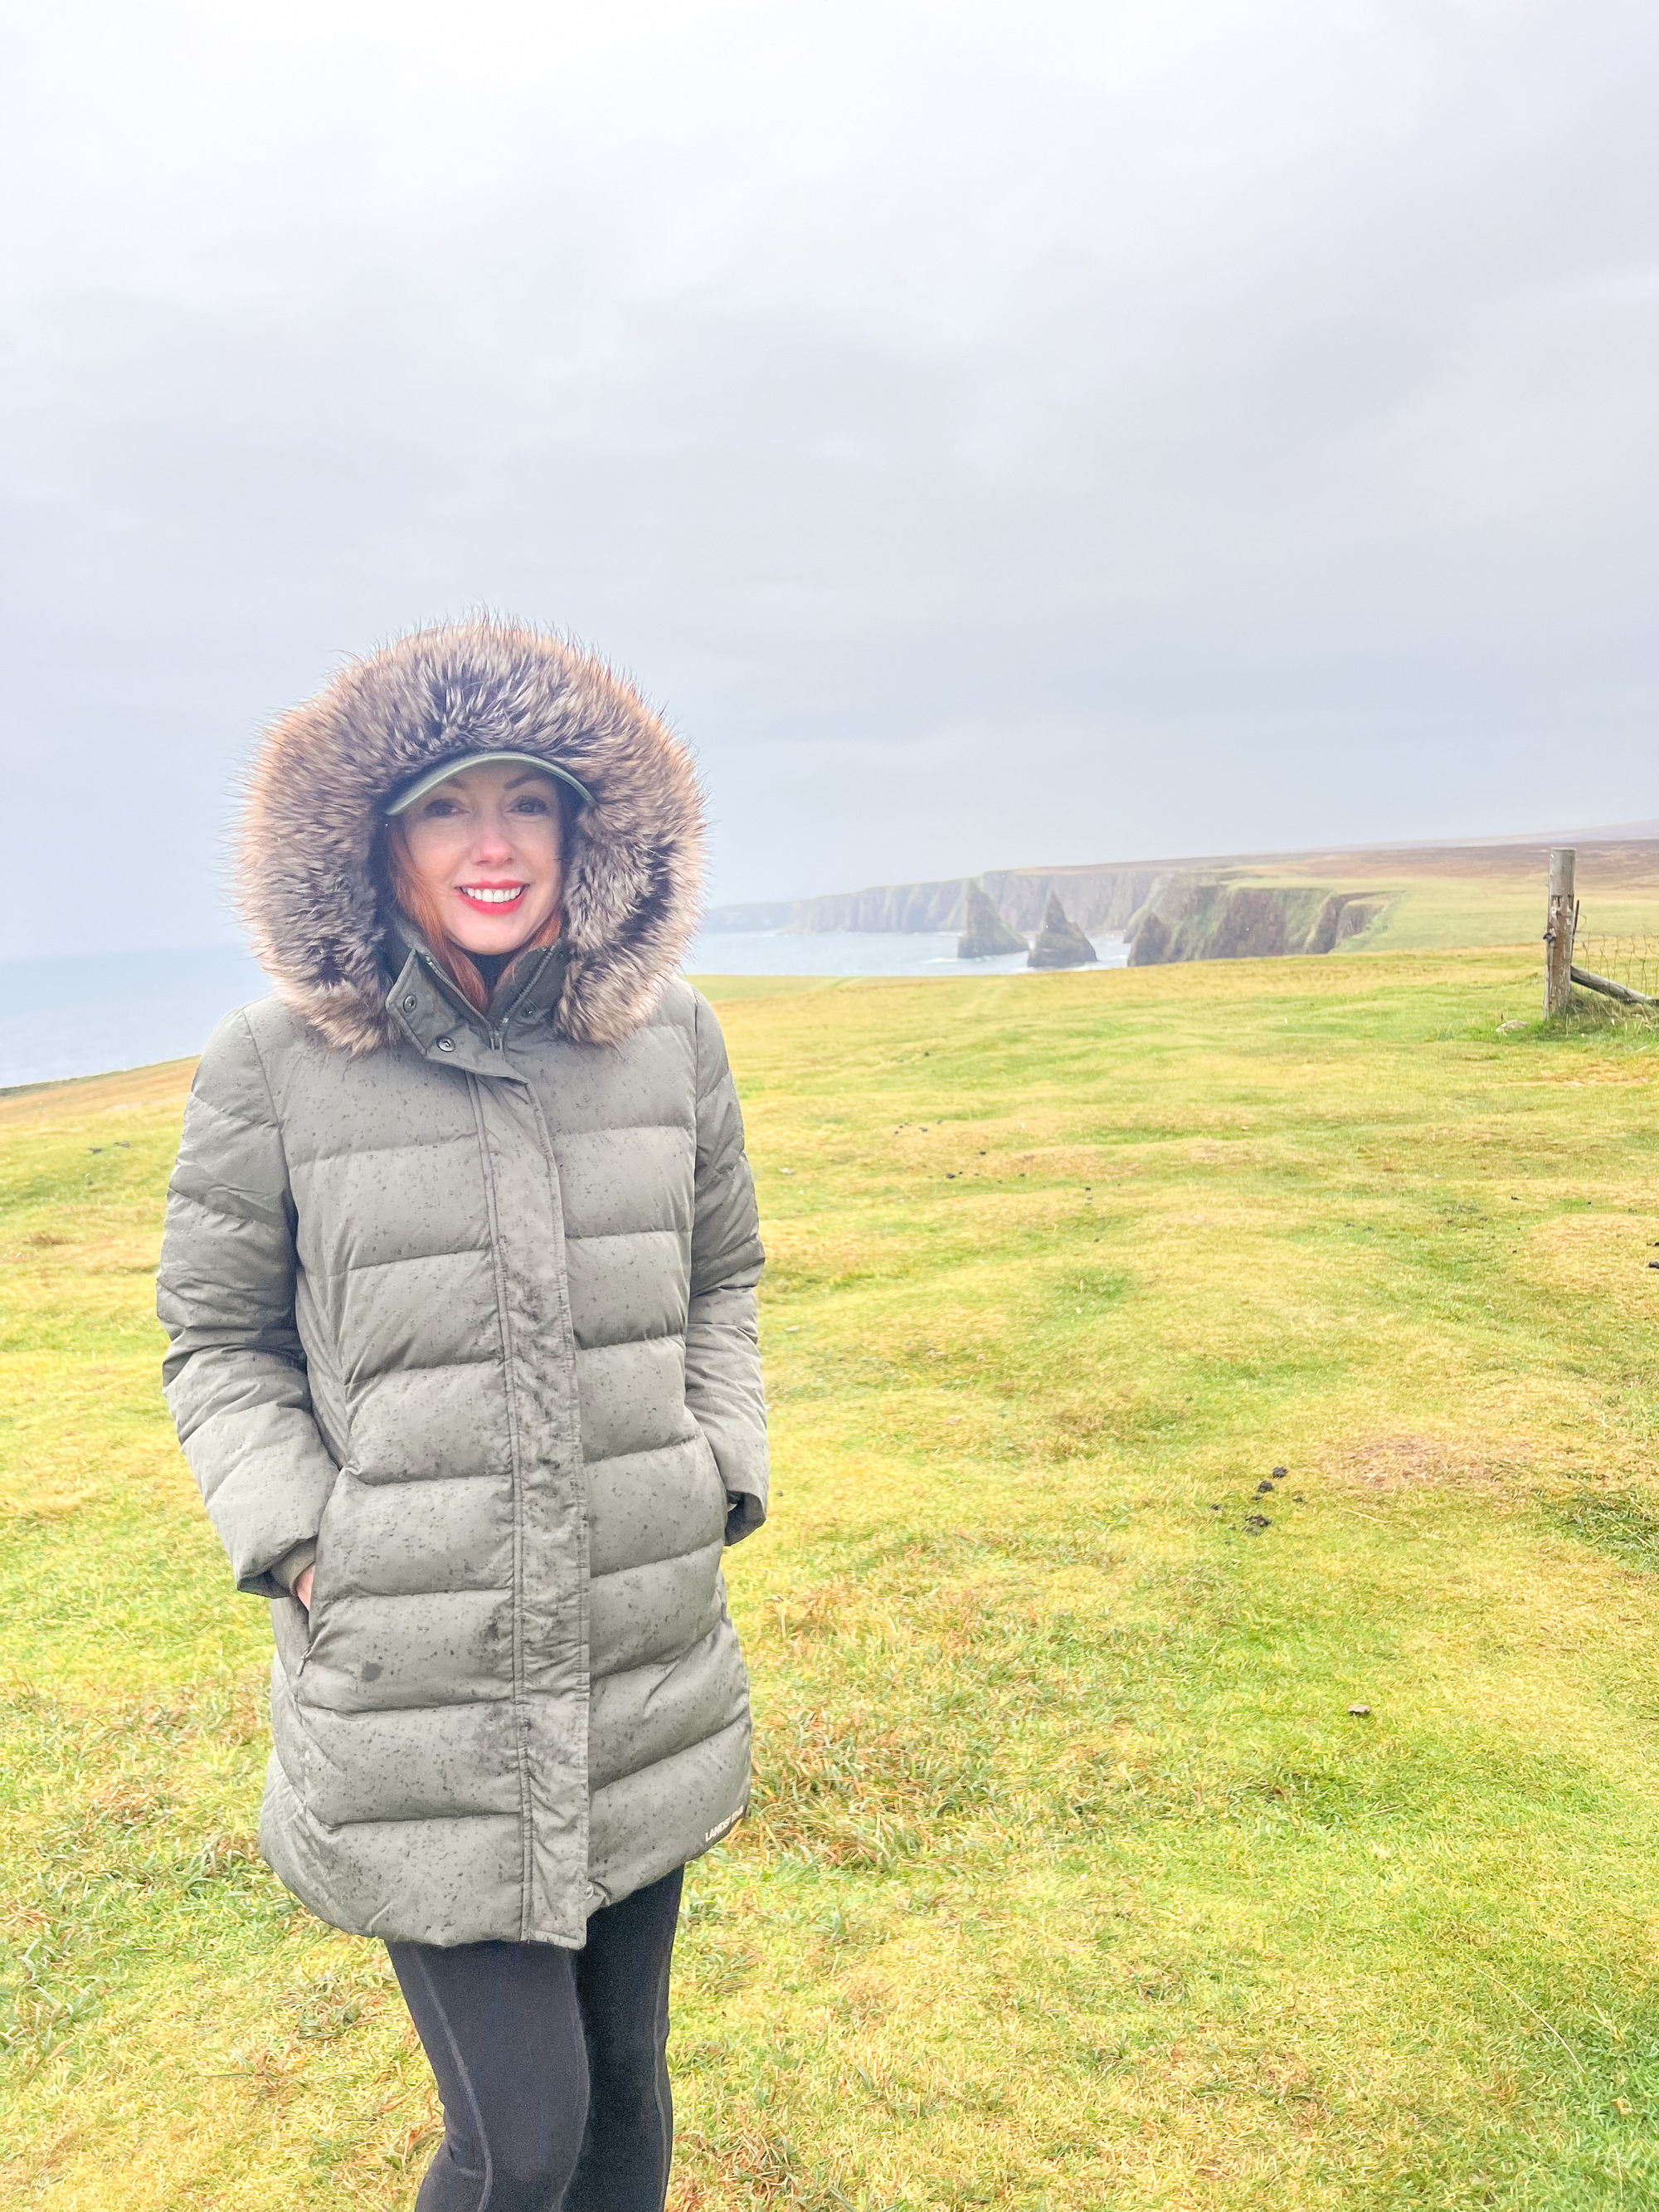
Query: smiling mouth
column 492, row 897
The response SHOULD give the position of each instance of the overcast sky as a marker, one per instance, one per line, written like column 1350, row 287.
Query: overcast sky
column 1005, row 433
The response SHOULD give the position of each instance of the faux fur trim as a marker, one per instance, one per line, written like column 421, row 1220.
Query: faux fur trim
column 633, row 873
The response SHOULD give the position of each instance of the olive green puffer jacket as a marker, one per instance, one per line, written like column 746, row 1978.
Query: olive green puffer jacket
column 467, row 1303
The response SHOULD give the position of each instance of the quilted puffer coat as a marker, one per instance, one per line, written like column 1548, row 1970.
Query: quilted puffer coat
column 462, row 1307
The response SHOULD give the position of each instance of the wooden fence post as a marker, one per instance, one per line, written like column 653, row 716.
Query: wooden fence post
column 1560, row 922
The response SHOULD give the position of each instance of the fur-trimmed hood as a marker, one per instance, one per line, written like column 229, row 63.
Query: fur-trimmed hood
column 307, row 875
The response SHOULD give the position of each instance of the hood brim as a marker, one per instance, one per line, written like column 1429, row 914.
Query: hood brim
column 312, row 887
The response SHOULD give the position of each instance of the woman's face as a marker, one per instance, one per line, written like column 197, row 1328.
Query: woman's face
column 484, row 844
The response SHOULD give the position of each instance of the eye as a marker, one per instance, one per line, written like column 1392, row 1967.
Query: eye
column 438, row 807
column 530, row 804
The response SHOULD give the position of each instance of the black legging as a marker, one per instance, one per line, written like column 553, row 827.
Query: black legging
column 552, row 2064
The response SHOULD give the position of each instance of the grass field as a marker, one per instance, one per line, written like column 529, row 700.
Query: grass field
column 1073, row 1879
column 1457, row 896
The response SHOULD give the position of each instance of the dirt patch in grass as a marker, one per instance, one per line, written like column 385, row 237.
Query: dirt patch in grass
column 1385, row 1464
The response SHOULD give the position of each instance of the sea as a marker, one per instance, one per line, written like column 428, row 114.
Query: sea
column 89, row 1015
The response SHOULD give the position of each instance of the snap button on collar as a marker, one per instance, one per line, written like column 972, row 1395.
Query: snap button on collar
column 445, row 1044
column 410, row 1003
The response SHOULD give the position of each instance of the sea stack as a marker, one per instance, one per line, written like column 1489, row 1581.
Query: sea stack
column 1060, row 944
column 986, row 933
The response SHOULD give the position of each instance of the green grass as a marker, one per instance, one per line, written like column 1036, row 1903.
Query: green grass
column 1072, row 1881
column 1434, row 900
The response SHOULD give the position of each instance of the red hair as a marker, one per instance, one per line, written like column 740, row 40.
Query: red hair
column 418, row 904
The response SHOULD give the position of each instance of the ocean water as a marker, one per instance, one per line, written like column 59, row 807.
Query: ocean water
column 85, row 1015
column 855, row 953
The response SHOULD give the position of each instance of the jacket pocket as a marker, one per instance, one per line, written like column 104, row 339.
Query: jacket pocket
column 315, row 1613
column 291, row 1629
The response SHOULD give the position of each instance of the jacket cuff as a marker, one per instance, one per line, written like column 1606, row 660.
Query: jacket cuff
column 744, row 1514
column 289, row 1569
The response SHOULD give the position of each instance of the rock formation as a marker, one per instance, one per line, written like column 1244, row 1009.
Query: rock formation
column 1059, row 943
column 1193, row 917
column 985, row 932
column 1180, row 911
column 1100, row 898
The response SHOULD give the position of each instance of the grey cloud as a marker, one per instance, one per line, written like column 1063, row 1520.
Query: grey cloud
column 996, row 435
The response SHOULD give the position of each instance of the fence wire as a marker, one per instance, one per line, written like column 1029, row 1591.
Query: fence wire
column 1632, row 961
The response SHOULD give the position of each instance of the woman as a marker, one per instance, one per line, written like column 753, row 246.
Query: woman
column 459, row 1274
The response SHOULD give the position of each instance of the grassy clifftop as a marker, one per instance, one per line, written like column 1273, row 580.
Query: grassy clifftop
column 1430, row 899
column 1072, row 1880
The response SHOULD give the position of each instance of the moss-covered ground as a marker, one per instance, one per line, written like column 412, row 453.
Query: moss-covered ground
column 1075, row 1878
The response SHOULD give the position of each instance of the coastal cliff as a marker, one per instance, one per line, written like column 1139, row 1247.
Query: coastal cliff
column 905, row 907
column 1208, row 918
column 1169, row 914
column 1096, row 898
column 1260, row 905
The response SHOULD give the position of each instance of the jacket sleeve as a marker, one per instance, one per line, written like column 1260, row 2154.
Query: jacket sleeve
column 235, row 1375
column 722, row 1338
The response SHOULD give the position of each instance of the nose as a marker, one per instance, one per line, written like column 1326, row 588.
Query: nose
column 491, row 845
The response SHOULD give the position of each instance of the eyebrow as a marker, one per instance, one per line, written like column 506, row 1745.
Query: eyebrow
column 530, row 776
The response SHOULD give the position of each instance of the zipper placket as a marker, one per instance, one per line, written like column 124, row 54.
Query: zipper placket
column 567, row 1333
column 526, row 1853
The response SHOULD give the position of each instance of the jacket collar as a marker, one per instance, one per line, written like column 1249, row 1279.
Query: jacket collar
column 425, row 1006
